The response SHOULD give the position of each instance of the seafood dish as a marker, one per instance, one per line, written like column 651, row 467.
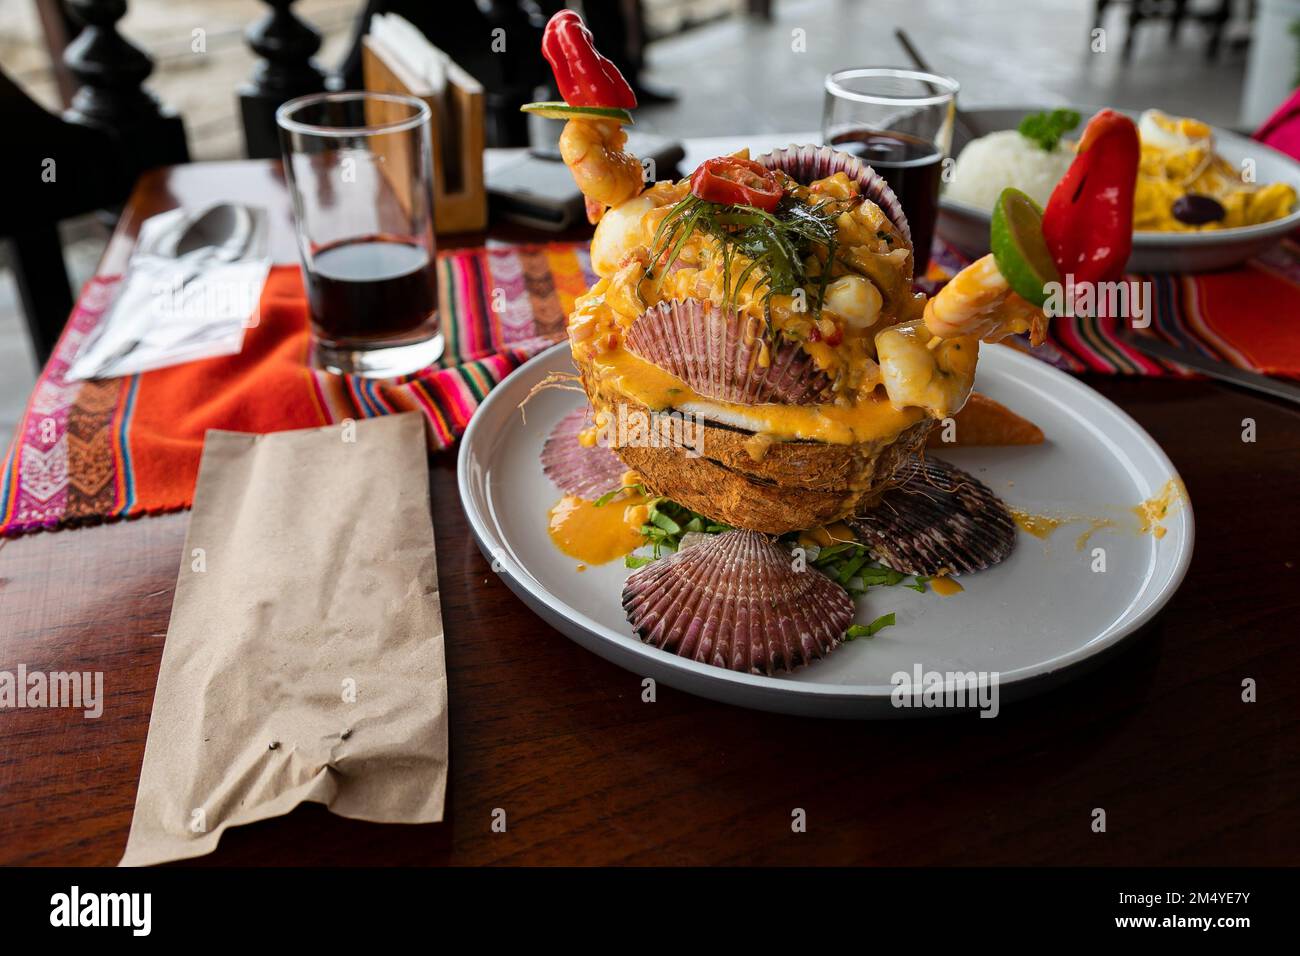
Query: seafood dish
column 1183, row 184
column 765, row 386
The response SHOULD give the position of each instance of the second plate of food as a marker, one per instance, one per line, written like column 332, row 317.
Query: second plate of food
column 1109, row 537
column 1008, row 159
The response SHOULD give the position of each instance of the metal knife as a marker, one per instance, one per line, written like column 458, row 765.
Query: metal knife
column 1214, row 368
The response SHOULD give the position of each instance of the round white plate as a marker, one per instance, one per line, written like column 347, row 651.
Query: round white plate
column 1040, row 612
column 967, row 226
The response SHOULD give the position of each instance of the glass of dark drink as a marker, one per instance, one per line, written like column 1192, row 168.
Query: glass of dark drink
column 900, row 123
column 359, row 168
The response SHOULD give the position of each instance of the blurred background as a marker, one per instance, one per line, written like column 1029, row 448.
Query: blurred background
column 703, row 68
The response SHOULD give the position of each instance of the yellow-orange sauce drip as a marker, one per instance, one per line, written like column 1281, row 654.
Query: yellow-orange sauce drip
column 1095, row 525
column 827, row 535
column 597, row 535
column 945, row 586
column 1040, row 526
column 1150, row 515
column 1152, row 512
column 871, row 419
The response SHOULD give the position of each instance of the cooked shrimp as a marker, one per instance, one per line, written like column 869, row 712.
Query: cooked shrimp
column 938, row 378
column 605, row 172
column 968, row 304
column 978, row 301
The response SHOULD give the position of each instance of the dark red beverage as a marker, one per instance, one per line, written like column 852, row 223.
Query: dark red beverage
column 912, row 167
column 372, row 289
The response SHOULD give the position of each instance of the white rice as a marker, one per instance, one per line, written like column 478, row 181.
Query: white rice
column 991, row 163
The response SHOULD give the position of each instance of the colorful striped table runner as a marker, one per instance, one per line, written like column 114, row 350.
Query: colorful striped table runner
column 94, row 451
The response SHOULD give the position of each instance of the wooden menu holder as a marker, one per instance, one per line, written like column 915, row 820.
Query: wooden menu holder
column 457, row 132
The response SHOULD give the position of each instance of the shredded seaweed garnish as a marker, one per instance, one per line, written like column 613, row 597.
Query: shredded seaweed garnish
column 777, row 245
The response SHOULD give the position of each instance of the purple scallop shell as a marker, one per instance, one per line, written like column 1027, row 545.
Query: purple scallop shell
column 806, row 164
column 576, row 469
column 716, row 353
column 737, row 602
column 939, row 520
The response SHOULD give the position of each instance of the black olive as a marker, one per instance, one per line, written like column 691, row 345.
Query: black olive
column 1197, row 210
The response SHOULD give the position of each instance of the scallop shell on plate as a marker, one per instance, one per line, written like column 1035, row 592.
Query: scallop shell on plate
column 736, row 601
column 938, row 519
column 807, row 164
column 587, row 471
column 721, row 355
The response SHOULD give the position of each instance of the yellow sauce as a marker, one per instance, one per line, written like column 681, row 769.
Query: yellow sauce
column 1040, row 526
column 1152, row 512
column 1095, row 525
column 1150, row 515
column 945, row 587
column 597, row 535
column 827, row 535
column 651, row 386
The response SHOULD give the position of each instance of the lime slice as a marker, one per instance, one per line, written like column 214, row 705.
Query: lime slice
column 1019, row 248
column 563, row 111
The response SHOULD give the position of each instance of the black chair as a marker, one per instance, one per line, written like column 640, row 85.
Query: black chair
column 1214, row 17
column 87, row 159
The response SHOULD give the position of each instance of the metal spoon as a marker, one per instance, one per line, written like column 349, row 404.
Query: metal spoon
column 220, row 234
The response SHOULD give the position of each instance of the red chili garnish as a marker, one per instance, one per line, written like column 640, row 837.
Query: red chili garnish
column 736, row 182
column 585, row 78
column 1088, row 222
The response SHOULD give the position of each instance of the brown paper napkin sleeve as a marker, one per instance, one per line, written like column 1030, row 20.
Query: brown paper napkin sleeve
column 304, row 657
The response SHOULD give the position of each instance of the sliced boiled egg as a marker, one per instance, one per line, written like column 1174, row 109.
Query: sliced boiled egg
column 1176, row 134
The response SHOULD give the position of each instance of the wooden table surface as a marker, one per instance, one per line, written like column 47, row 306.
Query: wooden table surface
column 1158, row 736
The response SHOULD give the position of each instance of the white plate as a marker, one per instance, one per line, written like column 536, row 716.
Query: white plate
column 967, row 226
column 1041, row 611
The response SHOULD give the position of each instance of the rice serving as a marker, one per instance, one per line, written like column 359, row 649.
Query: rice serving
column 992, row 163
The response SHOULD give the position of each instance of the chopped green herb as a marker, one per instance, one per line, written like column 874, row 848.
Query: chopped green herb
column 850, row 568
column 636, row 561
column 833, row 550
column 1046, row 129
column 869, row 630
column 918, row 584
column 661, row 520
column 668, row 522
column 609, row 496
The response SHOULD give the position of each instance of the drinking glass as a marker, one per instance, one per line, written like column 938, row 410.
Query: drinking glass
column 359, row 169
column 900, row 123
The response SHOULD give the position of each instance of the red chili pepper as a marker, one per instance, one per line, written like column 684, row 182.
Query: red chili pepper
column 585, row 78
column 736, row 182
column 1088, row 222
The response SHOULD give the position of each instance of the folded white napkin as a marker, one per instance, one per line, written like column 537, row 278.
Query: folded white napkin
column 177, row 306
